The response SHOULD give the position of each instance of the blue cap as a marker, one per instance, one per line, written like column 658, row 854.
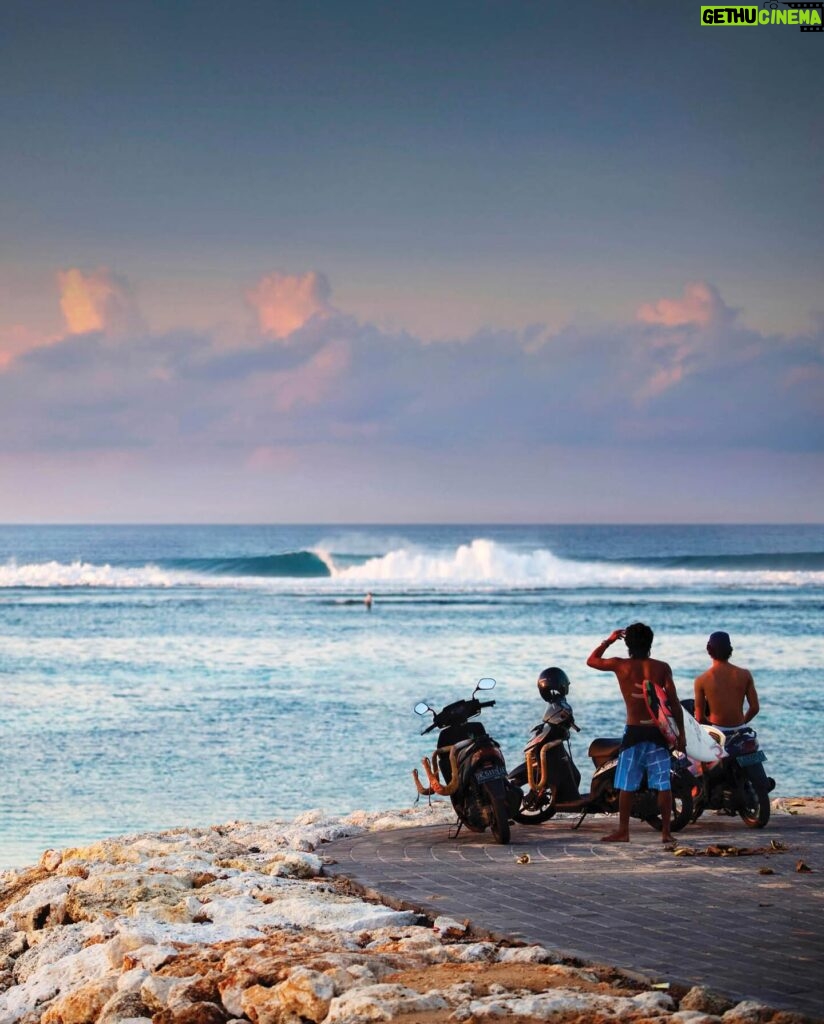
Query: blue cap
column 720, row 642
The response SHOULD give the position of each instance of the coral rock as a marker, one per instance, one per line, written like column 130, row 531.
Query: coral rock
column 123, row 1006
column 306, row 993
column 51, row 860
column 261, row 1005
column 747, row 1012
column 703, row 1000
column 449, row 928
column 381, row 1002
column 191, row 1013
column 81, row 1005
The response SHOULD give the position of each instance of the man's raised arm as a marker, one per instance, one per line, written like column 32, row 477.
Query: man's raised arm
column 597, row 659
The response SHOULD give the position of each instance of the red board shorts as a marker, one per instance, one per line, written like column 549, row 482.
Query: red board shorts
column 643, row 757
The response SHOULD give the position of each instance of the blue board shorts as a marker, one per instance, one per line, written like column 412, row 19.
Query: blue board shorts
column 643, row 757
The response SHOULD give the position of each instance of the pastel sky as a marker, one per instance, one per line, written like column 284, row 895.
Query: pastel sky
column 409, row 261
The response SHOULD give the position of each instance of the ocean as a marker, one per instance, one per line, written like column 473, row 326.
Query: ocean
column 153, row 676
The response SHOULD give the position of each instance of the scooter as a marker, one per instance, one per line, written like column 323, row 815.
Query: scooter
column 736, row 783
column 468, row 766
column 549, row 778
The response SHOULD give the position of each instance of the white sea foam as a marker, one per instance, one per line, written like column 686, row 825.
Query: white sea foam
column 85, row 574
column 485, row 562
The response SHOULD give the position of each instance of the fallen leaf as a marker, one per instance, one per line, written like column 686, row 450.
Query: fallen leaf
column 662, row 985
column 802, row 867
column 766, row 871
column 524, row 858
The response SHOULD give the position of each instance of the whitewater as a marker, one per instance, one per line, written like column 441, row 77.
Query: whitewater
column 178, row 675
column 481, row 563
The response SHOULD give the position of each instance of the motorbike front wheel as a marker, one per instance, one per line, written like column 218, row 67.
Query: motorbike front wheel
column 500, row 818
column 755, row 807
column 681, row 812
column 536, row 810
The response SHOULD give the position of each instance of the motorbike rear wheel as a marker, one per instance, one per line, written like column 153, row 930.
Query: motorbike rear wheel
column 500, row 819
column 681, row 812
column 541, row 812
column 755, row 806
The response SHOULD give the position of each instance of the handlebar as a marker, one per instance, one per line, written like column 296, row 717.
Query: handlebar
column 457, row 714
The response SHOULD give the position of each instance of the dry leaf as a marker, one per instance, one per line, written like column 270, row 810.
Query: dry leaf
column 802, row 867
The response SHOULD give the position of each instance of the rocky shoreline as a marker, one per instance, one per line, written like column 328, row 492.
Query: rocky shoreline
column 241, row 922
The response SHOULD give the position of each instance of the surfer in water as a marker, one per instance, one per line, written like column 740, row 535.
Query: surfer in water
column 643, row 748
column 724, row 689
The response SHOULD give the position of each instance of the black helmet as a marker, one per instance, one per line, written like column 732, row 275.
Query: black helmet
column 553, row 683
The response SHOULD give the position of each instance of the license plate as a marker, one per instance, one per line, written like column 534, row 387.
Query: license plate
column 487, row 774
column 756, row 757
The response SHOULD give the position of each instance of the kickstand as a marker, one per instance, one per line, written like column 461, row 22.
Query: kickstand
column 578, row 822
column 457, row 832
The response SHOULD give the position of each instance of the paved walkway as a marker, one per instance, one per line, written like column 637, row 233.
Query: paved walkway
column 714, row 921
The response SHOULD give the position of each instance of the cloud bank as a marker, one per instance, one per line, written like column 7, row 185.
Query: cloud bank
column 685, row 372
column 685, row 380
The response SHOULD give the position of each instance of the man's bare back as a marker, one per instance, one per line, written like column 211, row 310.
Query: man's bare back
column 726, row 688
column 632, row 673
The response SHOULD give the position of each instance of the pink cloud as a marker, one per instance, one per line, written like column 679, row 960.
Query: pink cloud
column 285, row 302
column 96, row 301
column 700, row 306
column 17, row 339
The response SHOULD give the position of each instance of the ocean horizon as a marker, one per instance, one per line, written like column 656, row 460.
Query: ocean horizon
column 165, row 675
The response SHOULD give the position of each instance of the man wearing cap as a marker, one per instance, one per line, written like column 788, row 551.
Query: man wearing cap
column 723, row 690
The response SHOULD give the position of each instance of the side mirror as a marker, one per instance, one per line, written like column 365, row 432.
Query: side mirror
column 422, row 708
column 487, row 683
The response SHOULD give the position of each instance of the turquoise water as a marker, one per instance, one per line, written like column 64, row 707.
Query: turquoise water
column 155, row 676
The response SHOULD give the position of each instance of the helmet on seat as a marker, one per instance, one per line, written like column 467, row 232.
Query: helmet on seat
column 553, row 683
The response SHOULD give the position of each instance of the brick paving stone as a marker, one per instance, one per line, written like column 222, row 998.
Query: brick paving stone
column 693, row 920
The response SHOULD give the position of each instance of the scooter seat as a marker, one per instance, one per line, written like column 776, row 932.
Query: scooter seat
column 603, row 749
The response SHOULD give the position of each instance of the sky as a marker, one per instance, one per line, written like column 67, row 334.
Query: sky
column 411, row 262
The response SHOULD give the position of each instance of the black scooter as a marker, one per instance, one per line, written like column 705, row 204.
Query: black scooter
column 737, row 782
column 549, row 778
column 468, row 767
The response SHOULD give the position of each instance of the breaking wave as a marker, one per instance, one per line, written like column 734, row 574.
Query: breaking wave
column 303, row 564
column 487, row 562
column 481, row 563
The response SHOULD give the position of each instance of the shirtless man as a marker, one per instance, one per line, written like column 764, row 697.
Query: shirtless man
column 726, row 688
column 643, row 748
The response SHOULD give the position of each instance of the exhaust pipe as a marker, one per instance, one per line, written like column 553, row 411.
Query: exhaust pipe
column 539, row 785
column 431, row 769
